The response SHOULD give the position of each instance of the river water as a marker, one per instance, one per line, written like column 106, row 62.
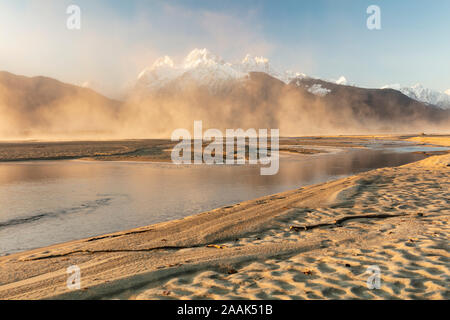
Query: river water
column 48, row 202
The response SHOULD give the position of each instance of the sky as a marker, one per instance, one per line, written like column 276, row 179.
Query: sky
column 322, row 38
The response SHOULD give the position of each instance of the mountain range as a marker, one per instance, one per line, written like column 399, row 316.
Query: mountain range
column 426, row 95
column 206, row 68
column 247, row 94
column 43, row 107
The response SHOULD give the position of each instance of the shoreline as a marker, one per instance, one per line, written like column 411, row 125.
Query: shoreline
column 248, row 233
column 287, row 245
column 290, row 160
column 155, row 150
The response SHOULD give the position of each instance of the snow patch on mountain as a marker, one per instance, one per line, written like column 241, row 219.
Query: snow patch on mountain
column 291, row 75
column 315, row 88
column 342, row 81
column 422, row 94
column 160, row 73
column 318, row 90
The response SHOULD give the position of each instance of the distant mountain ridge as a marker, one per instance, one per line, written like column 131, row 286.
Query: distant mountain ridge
column 420, row 93
column 303, row 106
column 41, row 106
column 210, row 70
column 45, row 108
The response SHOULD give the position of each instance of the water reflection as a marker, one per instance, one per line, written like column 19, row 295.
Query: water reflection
column 48, row 202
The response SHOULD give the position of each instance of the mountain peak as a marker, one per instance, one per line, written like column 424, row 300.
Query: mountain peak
column 342, row 81
column 420, row 93
column 163, row 62
column 201, row 58
column 206, row 68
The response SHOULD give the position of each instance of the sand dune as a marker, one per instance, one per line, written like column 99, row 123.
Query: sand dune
column 394, row 218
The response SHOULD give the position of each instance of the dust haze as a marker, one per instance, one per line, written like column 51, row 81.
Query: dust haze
column 45, row 109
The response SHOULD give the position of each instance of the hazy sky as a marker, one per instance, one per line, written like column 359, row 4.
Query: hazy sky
column 322, row 38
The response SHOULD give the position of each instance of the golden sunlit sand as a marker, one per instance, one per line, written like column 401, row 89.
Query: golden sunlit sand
column 437, row 140
column 314, row 242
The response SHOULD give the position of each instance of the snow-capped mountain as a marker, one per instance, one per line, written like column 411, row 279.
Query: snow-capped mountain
column 199, row 65
column 206, row 68
column 422, row 94
column 303, row 107
column 342, row 80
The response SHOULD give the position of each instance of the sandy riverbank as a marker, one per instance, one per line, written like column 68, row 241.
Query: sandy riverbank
column 403, row 227
column 154, row 150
